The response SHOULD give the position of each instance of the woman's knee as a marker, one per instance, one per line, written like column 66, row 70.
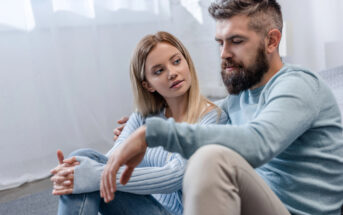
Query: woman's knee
column 85, row 152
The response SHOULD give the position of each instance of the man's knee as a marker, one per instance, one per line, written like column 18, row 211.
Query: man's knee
column 210, row 155
column 208, row 162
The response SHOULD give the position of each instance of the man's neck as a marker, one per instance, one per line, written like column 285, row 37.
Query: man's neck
column 274, row 66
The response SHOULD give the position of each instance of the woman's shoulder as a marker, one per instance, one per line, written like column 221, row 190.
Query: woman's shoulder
column 138, row 117
column 214, row 116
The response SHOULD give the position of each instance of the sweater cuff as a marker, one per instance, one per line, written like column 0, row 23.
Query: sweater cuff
column 87, row 175
column 157, row 131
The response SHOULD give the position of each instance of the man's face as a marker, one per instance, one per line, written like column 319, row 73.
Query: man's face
column 244, row 60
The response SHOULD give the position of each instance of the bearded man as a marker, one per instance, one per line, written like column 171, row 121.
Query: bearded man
column 281, row 151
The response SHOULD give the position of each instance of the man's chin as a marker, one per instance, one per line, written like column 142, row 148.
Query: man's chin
column 233, row 90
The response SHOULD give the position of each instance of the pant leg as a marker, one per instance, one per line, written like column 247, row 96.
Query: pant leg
column 218, row 181
column 132, row 204
column 79, row 204
column 123, row 203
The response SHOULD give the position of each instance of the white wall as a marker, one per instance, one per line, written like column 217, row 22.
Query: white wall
column 64, row 88
column 312, row 26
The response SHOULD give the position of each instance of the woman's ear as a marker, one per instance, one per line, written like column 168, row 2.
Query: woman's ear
column 148, row 87
column 274, row 37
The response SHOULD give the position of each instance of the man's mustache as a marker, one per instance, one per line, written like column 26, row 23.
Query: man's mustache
column 226, row 63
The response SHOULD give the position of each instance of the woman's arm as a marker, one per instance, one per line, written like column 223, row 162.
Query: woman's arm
column 134, row 122
column 87, row 174
column 157, row 179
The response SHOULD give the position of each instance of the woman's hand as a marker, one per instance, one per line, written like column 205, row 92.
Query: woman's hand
column 129, row 153
column 63, row 175
column 117, row 131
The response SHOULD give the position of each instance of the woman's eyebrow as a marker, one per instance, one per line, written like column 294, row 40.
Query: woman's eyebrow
column 173, row 56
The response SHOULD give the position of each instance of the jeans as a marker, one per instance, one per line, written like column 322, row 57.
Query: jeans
column 92, row 203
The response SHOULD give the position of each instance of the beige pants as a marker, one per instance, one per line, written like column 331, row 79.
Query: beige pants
column 218, row 181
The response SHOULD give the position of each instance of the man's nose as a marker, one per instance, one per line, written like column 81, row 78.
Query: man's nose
column 225, row 51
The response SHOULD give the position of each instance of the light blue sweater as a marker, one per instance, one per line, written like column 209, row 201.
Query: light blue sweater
column 160, row 173
column 290, row 130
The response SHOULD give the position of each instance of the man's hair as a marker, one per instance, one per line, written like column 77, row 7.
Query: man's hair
column 265, row 15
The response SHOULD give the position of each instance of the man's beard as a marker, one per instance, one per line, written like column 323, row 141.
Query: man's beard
column 245, row 77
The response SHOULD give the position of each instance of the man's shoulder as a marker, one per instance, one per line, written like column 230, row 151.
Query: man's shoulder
column 289, row 71
column 293, row 78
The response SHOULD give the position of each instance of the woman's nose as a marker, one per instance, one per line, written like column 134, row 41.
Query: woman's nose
column 172, row 75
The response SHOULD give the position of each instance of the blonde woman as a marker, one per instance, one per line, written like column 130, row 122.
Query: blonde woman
column 165, row 85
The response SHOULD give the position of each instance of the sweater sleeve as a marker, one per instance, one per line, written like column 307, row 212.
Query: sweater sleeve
column 168, row 177
column 134, row 122
column 155, row 176
column 290, row 108
column 87, row 175
column 144, row 180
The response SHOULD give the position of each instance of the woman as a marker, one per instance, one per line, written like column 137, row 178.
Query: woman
column 164, row 84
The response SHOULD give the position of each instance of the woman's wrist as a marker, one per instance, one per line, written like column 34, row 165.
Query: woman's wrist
column 141, row 134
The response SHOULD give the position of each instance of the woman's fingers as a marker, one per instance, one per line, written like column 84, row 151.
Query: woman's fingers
column 60, row 156
column 65, row 191
column 58, row 179
column 70, row 161
column 123, row 120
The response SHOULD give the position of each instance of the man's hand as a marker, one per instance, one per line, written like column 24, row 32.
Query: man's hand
column 117, row 131
column 129, row 153
column 63, row 175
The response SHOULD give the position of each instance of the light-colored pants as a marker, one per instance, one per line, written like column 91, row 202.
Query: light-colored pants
column 218, row 181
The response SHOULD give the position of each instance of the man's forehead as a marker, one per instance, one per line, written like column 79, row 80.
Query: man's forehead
column 232, row 26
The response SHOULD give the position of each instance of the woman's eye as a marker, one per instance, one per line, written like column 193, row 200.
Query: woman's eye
column 177, row 61
column 157, row 72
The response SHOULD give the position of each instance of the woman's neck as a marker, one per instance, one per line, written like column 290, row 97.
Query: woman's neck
column 177, row 108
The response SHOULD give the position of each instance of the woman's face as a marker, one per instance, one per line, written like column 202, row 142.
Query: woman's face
column 167, row 72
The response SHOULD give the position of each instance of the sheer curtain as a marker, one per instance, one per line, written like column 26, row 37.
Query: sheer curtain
column 314, row 32
column 64, row 78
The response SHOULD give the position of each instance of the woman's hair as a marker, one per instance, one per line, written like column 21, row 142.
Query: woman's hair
column 152, row 103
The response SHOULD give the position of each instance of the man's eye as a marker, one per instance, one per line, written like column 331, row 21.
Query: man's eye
column 237, row 41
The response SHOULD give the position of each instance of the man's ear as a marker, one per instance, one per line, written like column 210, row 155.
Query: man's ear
column 273, row 40
column 148, row 87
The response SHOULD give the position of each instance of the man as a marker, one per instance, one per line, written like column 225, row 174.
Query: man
column 282, row 149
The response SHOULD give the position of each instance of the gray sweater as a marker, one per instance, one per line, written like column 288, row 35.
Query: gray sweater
column 290, row 130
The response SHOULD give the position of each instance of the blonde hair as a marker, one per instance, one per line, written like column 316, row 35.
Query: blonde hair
column 152, row 103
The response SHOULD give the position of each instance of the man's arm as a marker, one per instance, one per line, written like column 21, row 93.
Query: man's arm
column 288, row 111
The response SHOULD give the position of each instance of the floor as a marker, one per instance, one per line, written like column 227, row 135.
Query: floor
column 33, row 198
column 25, row 190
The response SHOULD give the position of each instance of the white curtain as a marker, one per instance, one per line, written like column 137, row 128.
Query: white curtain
column 64, row 78
column 314, row 32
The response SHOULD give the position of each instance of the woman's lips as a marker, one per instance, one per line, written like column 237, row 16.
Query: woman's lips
column 176, row 84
